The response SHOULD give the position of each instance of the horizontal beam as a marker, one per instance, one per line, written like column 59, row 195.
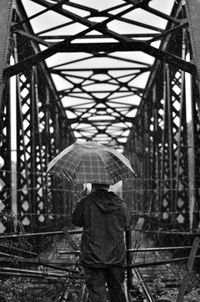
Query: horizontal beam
column 52, row 233
column 97, row 70
column 97, row 36
column 93, row 121
column 130, row 89
column 66, row 46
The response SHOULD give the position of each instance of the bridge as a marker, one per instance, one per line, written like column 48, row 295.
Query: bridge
column 120, row 73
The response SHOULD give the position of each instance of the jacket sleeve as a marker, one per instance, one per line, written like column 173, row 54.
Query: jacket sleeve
column 127, row 218
column 78, row 214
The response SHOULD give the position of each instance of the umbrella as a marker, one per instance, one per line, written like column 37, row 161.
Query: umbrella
column 91, row 163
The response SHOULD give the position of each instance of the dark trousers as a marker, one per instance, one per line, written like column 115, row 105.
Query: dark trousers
column 96, row 280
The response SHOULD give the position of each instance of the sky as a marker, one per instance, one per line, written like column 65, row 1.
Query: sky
column 42, row 23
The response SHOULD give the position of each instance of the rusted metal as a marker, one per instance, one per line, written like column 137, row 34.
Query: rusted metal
column 38, row 262
column 158, row 263
column 52, row 233
column 70, row 239
column 193, row 10
column 189, row 269
column 109, row 47
column 5, row 23
column 155, row 154
column 34, row 273
column 144, row 285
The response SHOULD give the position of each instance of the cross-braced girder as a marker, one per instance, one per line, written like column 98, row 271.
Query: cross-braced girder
column 117, row 47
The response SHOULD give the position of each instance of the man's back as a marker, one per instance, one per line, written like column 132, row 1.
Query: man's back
column 104, row 217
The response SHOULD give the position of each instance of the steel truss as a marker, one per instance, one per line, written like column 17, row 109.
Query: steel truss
column 162, row 145
column 165, row 137
column 41, row 131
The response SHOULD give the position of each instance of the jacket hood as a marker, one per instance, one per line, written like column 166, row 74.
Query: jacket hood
column 106, row 201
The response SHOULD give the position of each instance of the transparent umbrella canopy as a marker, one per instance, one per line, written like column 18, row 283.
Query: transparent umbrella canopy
column 91, row 163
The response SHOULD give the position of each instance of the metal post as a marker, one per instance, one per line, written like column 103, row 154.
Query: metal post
column 188, row 272
column 170, row 144
column 33, row 149
column 5, row 22
column 162, row 173
column 191, row 149
column 182, row 104
column 128, row 260
column 13, row 151
column 193, row 11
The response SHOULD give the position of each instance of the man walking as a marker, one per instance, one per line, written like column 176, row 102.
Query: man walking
column 104, row 217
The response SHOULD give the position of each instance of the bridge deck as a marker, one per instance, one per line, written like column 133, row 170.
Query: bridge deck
column 62, row 253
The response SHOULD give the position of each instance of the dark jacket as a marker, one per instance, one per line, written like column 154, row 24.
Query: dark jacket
column 104, row 217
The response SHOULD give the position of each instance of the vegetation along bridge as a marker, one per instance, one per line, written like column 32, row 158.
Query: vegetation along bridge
column 124, row 73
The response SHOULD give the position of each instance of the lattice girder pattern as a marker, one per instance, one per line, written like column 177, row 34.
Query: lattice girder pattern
column 99, row 56
column 41, row 134
column 165, row 131
column 81, row 78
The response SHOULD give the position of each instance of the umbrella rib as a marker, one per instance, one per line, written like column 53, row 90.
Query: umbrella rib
column 89, row 162
column 98, row 155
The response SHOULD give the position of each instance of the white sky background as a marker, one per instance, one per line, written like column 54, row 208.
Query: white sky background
column 51, row 19
column 56, row 19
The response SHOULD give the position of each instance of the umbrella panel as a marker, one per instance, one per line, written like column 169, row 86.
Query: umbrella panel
column 92, row 169
column 86, row 163
column 117, row 170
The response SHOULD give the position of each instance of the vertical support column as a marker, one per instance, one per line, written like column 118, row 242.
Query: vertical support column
column 5, row 21
column 182, row 112
column 47, row 142
column 147, row 166
column 193, row 13
column 166, row 160
column 5, row 163
column 33, row 127
column 191, row 149
column 156, row 155
column 128, row 260
column 5, row 144
column 170, row 145
column 13, row 149
column 190, row 264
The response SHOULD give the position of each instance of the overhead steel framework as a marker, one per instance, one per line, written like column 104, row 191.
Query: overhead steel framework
column 123, row 73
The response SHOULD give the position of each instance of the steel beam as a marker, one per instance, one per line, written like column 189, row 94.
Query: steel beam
column 66, row 46
column 193, row 13
column 5, row 21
